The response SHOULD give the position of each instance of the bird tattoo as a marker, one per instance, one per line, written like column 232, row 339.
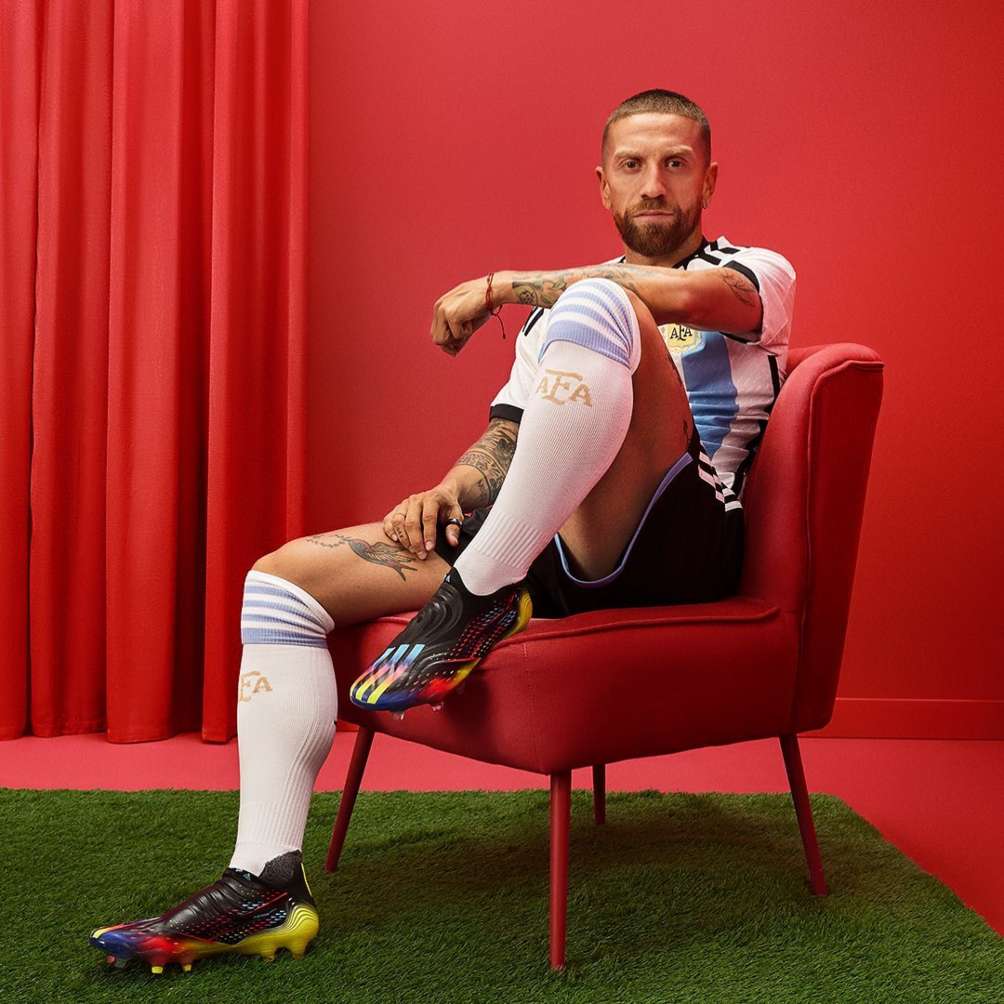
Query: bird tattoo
column 380, row 553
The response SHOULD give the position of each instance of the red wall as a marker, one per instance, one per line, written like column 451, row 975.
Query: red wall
column 862, row 141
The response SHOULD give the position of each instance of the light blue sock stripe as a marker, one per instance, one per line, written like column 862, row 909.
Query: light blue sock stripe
column 599, row 314
column 266, row 588
column 268, row 603
column 252, row 616
column 313, row 627
column 260, row 589
column 609, row 293
column 613, row 312
column 589, row 339
column 567, row 322
column 270, row 636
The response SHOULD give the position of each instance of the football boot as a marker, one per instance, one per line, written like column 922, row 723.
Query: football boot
column 240, row 912
column 440, row 646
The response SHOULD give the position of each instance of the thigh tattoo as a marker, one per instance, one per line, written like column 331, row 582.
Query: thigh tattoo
column 386, row 554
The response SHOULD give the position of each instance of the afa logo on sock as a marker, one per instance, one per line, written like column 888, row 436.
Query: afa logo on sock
column 253, row 683
column 681, row 337
column 564, row 387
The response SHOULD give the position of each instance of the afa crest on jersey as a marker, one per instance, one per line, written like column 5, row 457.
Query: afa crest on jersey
column 681, row 337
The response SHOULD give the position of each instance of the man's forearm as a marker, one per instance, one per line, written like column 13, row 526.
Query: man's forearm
column 479, row 473
column 718, row 299
column 663, row 290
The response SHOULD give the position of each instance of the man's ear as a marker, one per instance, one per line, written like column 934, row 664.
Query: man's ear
column 710, row 180
column 604, row 190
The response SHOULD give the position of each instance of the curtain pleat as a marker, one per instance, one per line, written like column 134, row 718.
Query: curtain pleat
column 70, row 377
column 256, row 404
column 20, row 68
column 154, row 282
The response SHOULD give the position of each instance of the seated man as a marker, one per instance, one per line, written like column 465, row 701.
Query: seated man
column 610, row 475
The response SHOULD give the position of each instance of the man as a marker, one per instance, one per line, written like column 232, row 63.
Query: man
column 610, row 475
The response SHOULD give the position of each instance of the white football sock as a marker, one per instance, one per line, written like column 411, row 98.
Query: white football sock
column 287, row 702
column 571, row 430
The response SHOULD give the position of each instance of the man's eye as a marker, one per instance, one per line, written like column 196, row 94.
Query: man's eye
column 675, row 160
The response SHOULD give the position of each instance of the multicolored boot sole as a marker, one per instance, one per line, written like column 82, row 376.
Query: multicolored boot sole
column 124, row 942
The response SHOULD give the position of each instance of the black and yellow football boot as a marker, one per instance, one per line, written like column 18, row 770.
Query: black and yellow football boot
column 240, row 912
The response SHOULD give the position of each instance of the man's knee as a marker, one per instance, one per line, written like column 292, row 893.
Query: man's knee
column 269, row 563
column 277, row 610
column 598, row 314
column 286, row 562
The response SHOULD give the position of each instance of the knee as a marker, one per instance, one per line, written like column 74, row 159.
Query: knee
column 600, row 315
column 284, row 562
column 278, row 609
column 269, row 563
column 293, row 561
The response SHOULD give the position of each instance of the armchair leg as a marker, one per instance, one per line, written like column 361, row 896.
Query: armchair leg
column 561, row 810
column 361, row 750
column 803, row 810
column 600, row 792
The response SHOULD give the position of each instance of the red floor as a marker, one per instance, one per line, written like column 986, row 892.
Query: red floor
column 939, row 801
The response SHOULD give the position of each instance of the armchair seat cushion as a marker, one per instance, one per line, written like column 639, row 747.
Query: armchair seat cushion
column 601, row 686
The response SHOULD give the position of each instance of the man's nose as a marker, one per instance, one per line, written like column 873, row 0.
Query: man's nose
column 653, row 183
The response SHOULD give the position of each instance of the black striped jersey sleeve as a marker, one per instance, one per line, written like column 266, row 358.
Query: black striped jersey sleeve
column 512, row 397
column 774, row 278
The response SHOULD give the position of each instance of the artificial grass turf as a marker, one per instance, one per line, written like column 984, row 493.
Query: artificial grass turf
column 443, row 897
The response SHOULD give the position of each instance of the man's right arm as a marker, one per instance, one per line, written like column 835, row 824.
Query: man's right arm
column 477, row 476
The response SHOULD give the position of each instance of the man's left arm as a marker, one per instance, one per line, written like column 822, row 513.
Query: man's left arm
column 750, row 297
column 718, row 299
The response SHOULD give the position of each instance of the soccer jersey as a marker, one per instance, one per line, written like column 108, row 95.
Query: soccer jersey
column 732, row 381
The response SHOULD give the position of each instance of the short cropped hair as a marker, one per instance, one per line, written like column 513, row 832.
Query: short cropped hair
column 665, row 102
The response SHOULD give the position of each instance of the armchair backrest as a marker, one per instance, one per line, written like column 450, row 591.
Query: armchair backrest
column 803, row 500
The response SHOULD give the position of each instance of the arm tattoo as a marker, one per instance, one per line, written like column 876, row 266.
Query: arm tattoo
column 542, row 289
column 390, row 555
column 491, row 456
column 741, row 286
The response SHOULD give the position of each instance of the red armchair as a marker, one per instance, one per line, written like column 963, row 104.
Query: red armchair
column 563, row 693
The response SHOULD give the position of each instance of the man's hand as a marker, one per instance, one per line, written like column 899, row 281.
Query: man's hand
column 459, row 313
column 413, row 522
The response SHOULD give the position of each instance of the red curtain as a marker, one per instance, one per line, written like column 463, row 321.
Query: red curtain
column 152, row 291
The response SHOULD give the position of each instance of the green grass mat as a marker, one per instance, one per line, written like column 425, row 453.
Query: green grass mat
column 443, row 897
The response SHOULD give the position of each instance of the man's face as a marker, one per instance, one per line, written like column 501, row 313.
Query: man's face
column 654, row 179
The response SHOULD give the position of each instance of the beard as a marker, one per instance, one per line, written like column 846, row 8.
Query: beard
column 656, row 238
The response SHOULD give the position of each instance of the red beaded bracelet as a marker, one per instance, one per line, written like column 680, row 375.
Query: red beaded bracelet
column 496, row 311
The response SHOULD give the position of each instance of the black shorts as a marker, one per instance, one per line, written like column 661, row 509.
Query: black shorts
column 687, row 548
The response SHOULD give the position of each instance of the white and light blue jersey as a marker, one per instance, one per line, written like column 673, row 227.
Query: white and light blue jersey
column 732, row 381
